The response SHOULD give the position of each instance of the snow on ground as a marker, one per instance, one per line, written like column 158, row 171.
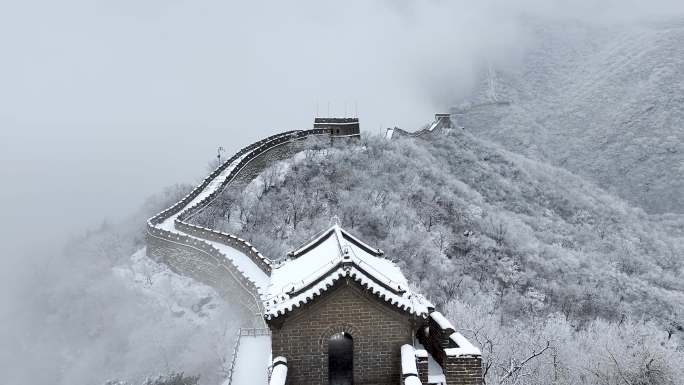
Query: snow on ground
column 182, row 296
column 253, row 360
column 245, row 265
column 435, row 373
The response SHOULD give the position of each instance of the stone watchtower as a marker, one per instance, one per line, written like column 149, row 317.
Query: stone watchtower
column 340, row 313
column 339, row 127
column 442, row 121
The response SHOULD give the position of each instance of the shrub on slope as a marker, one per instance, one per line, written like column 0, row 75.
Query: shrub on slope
column 465, row 218
column 519, row 254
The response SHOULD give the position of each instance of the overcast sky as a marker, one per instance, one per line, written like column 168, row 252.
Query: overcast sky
column 104, row 102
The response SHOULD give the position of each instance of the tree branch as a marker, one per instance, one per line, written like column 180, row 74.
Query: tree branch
column 618, row 367
column 515, row 368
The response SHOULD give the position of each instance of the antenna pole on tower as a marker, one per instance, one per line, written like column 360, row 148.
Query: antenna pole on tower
column 218, row 153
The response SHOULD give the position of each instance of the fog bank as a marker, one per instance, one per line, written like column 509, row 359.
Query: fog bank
column 102, row 103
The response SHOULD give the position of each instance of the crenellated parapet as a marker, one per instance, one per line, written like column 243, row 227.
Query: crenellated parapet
column 459, row 360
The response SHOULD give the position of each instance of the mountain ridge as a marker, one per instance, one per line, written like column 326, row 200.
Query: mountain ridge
column 607, row 103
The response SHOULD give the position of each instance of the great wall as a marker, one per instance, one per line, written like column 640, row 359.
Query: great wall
column 224, row 261
column 334, row 288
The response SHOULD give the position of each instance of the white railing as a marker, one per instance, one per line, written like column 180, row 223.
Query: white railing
column 254, row 332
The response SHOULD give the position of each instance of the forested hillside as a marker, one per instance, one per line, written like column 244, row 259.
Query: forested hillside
column 530, row 248
column 605, row 102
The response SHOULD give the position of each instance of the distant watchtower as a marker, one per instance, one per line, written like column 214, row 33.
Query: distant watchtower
column 442, row 121
column 339, row 127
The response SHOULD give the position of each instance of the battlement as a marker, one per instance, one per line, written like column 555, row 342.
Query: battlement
column 336, row 120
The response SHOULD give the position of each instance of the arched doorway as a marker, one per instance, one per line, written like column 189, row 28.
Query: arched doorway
column 341, row 359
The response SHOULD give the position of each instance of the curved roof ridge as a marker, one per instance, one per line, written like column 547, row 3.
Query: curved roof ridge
column 408, row 301
column 331, row 253
column 343, row 236
column 358, row 242
column 317, row 239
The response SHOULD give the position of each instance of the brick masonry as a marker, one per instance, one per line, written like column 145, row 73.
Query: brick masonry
column 458, row 370
column 203, row 266
column 463, row 370
column 422, row 366
column 266, row 159
column 378, row 330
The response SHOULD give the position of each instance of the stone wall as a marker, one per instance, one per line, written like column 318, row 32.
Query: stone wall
column 186, row 251
column 233, row 241
column 267, row 158
column 378, row 330
column 339, row 127
column 211, row 268
column 422, row 365
column 183, row 203
column 458, row 369
column 464, row 370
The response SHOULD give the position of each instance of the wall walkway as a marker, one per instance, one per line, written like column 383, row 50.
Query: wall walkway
column 231, row 265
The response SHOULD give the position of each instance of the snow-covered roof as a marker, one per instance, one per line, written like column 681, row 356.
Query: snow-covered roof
column 335, row 254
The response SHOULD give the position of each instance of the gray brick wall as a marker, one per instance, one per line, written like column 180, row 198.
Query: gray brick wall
column 463, row 370
column 377, row 329
column 466, row 370
column 422, row 366
column 266, row 159
column 203, row 266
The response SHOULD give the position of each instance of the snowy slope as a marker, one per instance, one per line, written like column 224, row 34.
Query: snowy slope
column 605, row 103
column 455, row 205
column 184, row 297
